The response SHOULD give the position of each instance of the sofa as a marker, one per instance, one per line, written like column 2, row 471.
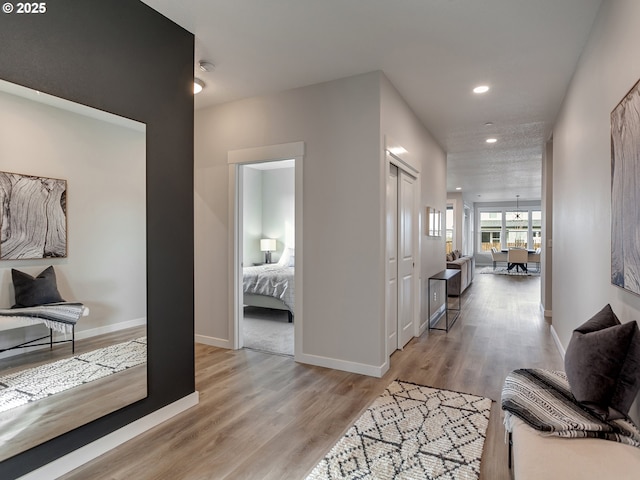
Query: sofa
column 576, row 424
column 466, row 265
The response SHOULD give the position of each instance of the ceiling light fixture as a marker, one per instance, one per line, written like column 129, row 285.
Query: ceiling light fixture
column 458, row 188
column 206, row 66
column 481, row 89
column 488, row 124
column 198, row 85
column 492, row 140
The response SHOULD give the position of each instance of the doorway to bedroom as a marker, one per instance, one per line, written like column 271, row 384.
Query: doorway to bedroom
column 267, row 242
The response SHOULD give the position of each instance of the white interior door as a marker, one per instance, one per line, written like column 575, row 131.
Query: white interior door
column 406, row 256
column 392, row 259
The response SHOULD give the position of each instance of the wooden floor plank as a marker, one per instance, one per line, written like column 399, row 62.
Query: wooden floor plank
column 264, row 416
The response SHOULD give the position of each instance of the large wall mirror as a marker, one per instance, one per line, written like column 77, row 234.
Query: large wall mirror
column 101, row 159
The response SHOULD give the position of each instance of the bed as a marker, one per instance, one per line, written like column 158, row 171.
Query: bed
column 271, row 285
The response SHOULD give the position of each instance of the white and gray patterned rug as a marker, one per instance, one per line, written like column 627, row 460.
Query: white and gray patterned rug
column 33, row 384
column 412, row 432
column 503, row 271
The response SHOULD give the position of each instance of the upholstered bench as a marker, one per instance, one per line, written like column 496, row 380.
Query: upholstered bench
column 577, row 424
column 536, row 456
column 551, row 435
column 37, row 300
column 60, row 317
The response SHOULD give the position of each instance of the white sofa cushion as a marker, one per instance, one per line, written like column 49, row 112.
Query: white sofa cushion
column 537, row 456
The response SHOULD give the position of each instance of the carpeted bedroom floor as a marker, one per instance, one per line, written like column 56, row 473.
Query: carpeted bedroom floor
column 267, row 330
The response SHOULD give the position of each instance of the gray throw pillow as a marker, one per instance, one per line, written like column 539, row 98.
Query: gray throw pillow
column 33, row 291
column 602, row 363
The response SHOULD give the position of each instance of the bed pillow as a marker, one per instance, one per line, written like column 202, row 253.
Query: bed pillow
column 287, row 259
column 602, row 363
column 33, row 291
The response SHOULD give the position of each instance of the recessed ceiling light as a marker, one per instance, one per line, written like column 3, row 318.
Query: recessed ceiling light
column 488, row 124
column 481, row 89
column 492, row 140
column 458, row 188
column 198, row 85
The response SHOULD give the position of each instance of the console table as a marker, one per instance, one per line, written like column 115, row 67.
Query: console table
column 444, row 276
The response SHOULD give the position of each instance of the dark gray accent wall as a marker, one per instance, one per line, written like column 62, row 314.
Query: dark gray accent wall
column 123, row 57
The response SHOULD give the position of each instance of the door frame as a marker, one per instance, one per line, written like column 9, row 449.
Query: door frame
column 398, row 156
column 236, row 159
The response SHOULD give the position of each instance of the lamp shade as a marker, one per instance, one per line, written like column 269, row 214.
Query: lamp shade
column 268, row 245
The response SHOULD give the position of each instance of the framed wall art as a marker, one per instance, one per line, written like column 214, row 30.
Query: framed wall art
column 33, row 219
column 625, row 192
column 434, row 221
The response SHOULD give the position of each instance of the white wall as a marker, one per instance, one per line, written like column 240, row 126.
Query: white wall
column 400, row 123
column 278, row 208
column 268, row 211
column 608, row 68
column 339, row 124
column 343, row 190
column 252, row 216
column 104, row 165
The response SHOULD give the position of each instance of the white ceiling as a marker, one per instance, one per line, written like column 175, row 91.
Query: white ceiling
column 433, row 51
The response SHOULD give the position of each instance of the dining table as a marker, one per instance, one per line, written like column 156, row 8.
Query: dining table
column 517, row 266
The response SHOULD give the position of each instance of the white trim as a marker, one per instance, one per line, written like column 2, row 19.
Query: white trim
column 344, row 365
column 268, row 153
column 557, row 341
column 213, row 341
column 401, row 156
column 92, row 332
column 79, row 457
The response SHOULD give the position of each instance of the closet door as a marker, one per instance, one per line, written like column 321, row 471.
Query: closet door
column 406, row 256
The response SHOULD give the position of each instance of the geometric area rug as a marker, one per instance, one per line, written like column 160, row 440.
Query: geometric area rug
column 35, row 383
column 412, row 432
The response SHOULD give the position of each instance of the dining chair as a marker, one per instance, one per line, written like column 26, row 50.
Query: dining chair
column 517, row 258
column 535, row 258
column 497, row 256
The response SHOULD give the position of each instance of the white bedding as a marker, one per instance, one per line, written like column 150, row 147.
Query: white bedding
column 271, row 280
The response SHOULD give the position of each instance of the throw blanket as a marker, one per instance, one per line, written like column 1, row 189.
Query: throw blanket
column 270, row 280
column 60, row 317
column 543, row 399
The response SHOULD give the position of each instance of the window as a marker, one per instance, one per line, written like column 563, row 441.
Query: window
column 517, row 227
column 536, row 227
column 449, row 226
column 503, row 228
column 490, row 230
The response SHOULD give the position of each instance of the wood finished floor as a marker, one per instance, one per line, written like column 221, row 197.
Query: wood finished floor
column 264, row 416
column 34, row 423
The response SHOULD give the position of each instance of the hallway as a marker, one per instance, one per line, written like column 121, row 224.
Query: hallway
column 265, row 416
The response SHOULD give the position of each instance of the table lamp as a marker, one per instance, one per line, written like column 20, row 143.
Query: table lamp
column 267, row 245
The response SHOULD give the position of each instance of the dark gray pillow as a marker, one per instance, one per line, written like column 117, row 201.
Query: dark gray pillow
column 602, row 363
column 31, row 292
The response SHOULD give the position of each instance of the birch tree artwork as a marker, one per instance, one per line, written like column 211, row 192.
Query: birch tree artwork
column 33, row 222
column 625, row 192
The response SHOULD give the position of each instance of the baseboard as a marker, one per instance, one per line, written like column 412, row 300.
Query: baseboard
column 114, row 327
column 556, row 339
column 344, row 365
column 213, row 341
column 546, row 313
column 92, row 332
column 85, row 454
